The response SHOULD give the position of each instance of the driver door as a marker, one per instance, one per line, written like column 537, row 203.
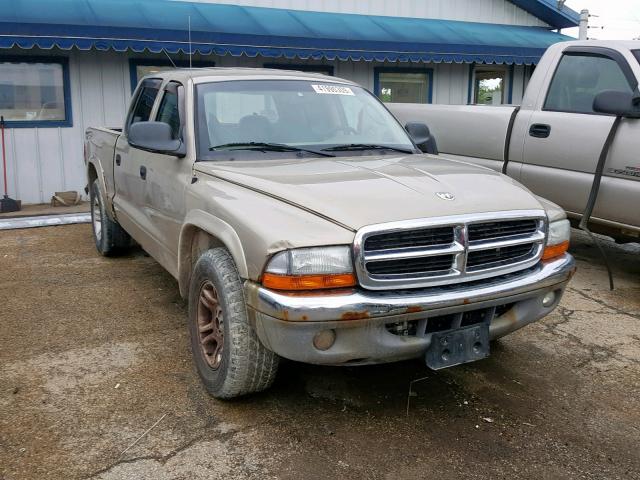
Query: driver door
column 565, row 135
column 167, row 178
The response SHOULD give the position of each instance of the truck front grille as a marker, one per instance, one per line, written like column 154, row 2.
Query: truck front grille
column 411, row 238
column 498, row 256
column 446, row 250
column 494, row 230
column 439, row 263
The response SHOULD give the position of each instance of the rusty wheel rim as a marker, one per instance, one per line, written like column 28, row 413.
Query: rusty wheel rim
column 210, row 325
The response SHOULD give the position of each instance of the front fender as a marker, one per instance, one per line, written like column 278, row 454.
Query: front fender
column 218, row 233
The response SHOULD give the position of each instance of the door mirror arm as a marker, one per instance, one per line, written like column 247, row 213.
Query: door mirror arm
column 422, row 137
column 618, row 103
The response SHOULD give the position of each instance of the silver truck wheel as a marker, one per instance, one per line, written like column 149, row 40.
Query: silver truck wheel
column 229, row 356
column 110, row 238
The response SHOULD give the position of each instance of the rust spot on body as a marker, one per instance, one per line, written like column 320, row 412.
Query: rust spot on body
column 466, row 301
column 305, row 318
column 285, row 315
column 414, row 309
column 354, row 315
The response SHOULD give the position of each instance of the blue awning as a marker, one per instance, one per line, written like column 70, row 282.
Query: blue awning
column 161, row 25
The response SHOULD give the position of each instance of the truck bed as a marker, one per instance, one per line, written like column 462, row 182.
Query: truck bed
column 479, row 136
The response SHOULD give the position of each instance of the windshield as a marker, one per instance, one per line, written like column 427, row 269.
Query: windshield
column 305, row 114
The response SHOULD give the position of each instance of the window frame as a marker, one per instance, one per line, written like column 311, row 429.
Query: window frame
column 134, row 101
column 509, row 77
column 602, row 52
column 176, row 88
column 66, row 92
column 378, row 70
column 161, row 62
column 326, row 69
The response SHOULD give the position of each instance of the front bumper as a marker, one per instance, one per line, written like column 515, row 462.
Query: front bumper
column 287, row 323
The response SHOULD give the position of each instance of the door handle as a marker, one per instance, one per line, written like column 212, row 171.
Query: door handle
column 118, row 160
column 143, row 172
column 540, row 130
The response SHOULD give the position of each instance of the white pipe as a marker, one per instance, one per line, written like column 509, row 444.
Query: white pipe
column 584, row 25
column 44, row 221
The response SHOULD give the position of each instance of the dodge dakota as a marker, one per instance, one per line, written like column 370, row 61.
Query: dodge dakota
column 301, row 220
column 574, row 140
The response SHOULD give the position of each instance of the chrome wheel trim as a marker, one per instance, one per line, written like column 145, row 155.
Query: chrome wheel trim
column 96, row 217
column 209, row 323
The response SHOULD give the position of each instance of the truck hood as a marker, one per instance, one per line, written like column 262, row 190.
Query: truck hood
column 359, row 191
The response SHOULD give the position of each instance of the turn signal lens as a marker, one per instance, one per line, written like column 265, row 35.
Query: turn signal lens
column 553, row 251
column 308, row 282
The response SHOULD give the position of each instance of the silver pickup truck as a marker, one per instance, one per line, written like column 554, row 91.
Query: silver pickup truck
column 301, row 220
column 574, row 140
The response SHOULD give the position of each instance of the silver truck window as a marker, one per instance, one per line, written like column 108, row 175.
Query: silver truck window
column 169, row 113
column 312, row 114
column 579, row 78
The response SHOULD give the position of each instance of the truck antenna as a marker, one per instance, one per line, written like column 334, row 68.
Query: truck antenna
column 190, row 51
column 165, row 52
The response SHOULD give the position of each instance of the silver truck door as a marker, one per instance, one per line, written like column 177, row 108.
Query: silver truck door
column 565, row 136
column 167, row 179
column 128, row 174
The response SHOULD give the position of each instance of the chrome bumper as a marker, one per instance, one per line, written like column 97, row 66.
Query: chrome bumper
column 287, row 323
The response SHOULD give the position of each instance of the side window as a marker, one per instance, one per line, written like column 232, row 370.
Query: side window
column 579, row 78
column 144, row 103
column 169, row 111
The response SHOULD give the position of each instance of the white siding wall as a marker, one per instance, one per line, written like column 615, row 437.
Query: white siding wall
column 42, row 161
column 486, row 11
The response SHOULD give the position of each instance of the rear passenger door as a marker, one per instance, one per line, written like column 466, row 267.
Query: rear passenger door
column 128, row 175
column 565, row 136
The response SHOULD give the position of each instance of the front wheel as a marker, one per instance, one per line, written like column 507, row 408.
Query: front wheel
column 228, row 354
column 109, row 236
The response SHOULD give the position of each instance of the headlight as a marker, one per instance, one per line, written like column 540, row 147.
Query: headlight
column 557, row 239
column 310, row 269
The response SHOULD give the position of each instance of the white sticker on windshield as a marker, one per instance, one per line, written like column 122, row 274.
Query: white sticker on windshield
column 332, row 90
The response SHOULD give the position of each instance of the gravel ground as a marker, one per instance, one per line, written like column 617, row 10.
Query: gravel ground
column 94, row 351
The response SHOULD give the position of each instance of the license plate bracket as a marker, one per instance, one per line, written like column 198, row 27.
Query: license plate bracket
column 458, row 346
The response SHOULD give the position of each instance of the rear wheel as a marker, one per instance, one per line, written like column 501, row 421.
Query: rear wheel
column 228, row 354
column 109, row 236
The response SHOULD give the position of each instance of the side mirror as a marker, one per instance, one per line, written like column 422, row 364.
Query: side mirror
column 155, row 137
column 621, row 104
column 421, row 136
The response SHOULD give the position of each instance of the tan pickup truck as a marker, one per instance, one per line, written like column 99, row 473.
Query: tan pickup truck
column 574, row 140
column 301, row 220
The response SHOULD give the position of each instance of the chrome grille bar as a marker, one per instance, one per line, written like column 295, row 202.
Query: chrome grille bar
column 409, row 266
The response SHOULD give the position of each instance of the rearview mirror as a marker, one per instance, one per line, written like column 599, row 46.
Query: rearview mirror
column 155, row 137
column 421, row 136
column 621, row 104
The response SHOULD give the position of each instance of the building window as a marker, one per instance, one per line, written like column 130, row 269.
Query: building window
column 139, row 68
column 324, row 69
column 490, row 84
column 403, row 85
column 34, row 92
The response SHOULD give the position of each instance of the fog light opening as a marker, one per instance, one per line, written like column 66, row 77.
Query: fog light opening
column 548, row 299
column 324, row 340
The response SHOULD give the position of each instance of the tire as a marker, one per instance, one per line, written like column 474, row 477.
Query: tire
column 228, row 354
column 109, row 237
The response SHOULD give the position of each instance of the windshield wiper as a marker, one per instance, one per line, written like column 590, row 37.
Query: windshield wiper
column 366, row 146
column 267, row 147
